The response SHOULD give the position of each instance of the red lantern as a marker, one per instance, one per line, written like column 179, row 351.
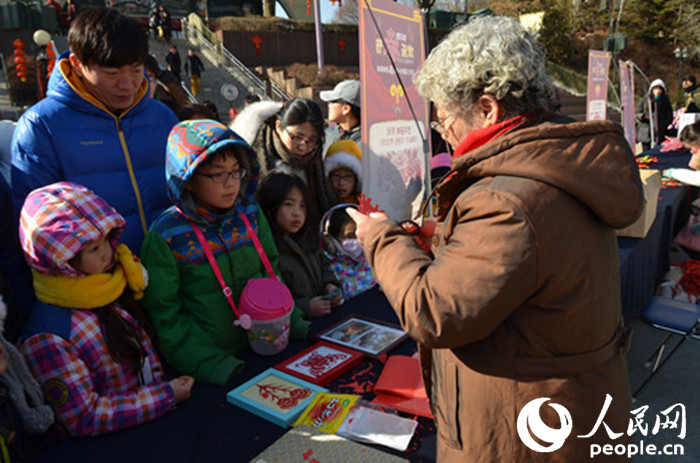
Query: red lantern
column 308, row 7
column 20, row 67
column 257, row 41
column 341, row 45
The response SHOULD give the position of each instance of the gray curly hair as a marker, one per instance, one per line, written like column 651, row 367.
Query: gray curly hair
column 491, row 55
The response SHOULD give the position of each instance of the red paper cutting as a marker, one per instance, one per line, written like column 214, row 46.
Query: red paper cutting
column 365, row 205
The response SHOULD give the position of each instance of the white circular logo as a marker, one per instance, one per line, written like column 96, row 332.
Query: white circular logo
column 530, row 424
column 229, row 92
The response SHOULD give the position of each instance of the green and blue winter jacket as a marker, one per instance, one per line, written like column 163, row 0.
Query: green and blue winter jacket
column 184, row 299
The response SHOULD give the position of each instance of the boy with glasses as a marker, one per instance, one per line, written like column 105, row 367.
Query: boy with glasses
column 212, row 176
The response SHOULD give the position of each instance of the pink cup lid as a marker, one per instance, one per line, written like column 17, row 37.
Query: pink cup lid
column 265, row 299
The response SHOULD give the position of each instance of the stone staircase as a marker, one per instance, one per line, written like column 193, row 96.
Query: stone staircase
column 213, row 76
column 291, row 85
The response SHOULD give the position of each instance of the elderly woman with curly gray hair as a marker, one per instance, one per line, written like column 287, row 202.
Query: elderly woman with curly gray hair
column 517, row 297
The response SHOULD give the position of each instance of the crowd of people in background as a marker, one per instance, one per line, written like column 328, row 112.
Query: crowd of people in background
column 655, row 117
column 160, row 23
column 115, row 174
column 102, row 171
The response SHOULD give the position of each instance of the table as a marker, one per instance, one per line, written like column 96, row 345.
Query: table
column 643, row 262
column 206, row 428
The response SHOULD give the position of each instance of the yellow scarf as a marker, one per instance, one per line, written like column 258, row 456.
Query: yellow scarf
column 93, row 291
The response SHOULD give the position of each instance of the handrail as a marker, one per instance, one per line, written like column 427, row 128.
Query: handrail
column 5, row 74
column 229, row 61
column 191, row 98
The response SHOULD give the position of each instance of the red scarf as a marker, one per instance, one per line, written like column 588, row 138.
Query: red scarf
column 480, row 137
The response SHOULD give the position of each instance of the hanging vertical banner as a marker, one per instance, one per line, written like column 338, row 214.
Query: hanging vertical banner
column 596, row 102
column 396, row 147
column 627, row 99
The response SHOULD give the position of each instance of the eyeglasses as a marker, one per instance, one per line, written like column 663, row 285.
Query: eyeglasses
column 299, row 139
column 222, row 177
column 337, row 178
column 439, row 125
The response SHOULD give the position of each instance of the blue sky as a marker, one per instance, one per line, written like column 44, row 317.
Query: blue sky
column 328, row 11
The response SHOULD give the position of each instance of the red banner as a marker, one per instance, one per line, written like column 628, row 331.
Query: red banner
column 627, row 100
column 394, row 121
column 597, row 100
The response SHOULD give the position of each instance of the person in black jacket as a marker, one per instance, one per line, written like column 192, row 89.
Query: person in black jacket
column 173, row 61
column 655, row 111
column 154, row 23
column 194, row 69
column 165, row 24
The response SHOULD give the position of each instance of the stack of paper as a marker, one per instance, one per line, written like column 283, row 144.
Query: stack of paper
column 400, row 386
column 372, row 426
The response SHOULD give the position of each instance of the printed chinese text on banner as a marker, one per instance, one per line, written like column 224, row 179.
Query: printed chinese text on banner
column 396, row 145
column 596, row 102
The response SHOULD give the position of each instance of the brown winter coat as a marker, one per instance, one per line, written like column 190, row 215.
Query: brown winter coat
column 520, row 297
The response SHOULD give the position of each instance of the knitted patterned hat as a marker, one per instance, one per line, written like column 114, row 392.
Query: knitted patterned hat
column 190, row 143
column 344, row 153
column 57, row 221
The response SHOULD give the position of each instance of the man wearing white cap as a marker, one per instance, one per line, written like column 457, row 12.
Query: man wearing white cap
column 343, row 109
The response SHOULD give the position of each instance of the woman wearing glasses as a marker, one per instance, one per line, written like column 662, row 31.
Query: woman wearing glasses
column 517, row 301
column 289, row 138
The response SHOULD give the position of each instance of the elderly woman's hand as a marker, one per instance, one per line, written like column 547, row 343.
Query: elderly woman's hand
column 364, row 222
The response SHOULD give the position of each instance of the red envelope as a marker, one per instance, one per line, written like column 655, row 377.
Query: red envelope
column 400, row 386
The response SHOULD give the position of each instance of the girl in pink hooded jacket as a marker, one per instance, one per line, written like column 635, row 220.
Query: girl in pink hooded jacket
column 84, row 341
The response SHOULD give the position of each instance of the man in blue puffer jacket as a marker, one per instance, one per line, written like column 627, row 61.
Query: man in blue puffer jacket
column 97, row 126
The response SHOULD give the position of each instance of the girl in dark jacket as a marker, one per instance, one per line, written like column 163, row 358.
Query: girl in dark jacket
column 659, row 118
column 283, row 199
